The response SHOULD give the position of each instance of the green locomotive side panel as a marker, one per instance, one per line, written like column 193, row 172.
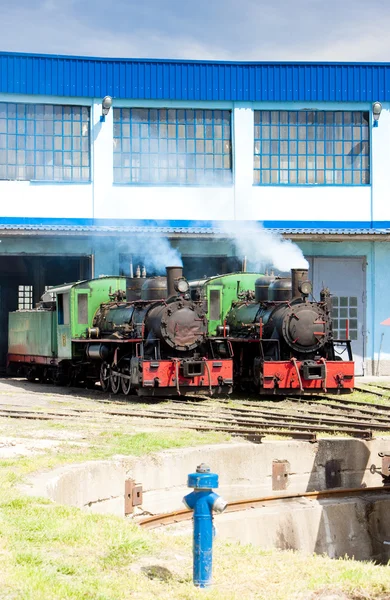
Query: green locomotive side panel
column 33, row 333
column 220, row 292
column 86, row 297
column 77, row 304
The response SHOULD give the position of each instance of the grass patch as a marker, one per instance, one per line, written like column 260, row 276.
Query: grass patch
column 51, row 552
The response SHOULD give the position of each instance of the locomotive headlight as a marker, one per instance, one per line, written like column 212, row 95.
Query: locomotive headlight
column 182, row 286
column 306, row 288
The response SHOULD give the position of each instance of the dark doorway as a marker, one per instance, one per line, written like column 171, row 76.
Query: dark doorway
column 23, row 280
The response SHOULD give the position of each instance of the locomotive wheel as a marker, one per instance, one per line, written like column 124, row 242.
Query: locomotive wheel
column 42, row 377
column 126, row 385
column 115, row 383
column 31, row 375
column 105, row 377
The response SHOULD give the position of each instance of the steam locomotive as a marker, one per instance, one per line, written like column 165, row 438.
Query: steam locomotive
column 150, row 339
column 282, row 342
column 166, row 336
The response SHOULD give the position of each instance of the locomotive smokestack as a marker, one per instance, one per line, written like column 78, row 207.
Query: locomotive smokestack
column 297, row 276
column 173, row 273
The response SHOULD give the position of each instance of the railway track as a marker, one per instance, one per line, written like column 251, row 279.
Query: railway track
column 253, row 424
column 297, row 418
column 184, row 514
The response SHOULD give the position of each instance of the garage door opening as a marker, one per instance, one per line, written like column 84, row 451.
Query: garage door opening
column 23, row 280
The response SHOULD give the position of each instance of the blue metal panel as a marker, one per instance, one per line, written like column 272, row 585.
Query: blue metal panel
column 193, row 80
column 347, row 228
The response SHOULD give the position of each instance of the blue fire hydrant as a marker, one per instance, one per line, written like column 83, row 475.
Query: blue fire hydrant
column 203, row 501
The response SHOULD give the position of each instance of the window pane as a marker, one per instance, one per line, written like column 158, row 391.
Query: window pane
column 186, row 146
column 332, row 146
column 42, row 128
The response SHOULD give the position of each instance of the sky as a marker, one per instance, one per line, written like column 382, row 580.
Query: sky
column 253, row 30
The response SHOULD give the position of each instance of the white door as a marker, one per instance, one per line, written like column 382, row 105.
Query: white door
column 346, row 279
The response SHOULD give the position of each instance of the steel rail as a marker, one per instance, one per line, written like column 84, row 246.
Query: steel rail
column 325, row 417
column 370, row 391
column 251, row 431
column 239, row 505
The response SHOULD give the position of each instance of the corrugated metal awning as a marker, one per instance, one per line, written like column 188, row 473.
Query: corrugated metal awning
column 107, row 230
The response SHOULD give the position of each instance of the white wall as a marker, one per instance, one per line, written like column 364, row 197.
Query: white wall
column 103, row 200
column 380, row 165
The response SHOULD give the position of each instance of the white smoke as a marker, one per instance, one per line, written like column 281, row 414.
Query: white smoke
column 158, row 253
column 262, row 246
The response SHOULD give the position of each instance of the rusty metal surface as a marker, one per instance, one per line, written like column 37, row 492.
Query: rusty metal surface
column 386, row 466
column 133, row 495
column 129, row 488
column 280, row 473
column 137, row 494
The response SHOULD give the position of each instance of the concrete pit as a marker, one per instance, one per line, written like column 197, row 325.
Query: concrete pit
column 356, row 526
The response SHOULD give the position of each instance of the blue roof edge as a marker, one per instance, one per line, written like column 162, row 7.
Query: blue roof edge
column 192, row 226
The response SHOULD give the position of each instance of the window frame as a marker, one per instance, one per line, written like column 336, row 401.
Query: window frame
column 44, row 142
column 312, row 157
column 158, row 127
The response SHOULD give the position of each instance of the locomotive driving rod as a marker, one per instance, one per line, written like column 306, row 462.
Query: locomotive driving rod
column 184, row 514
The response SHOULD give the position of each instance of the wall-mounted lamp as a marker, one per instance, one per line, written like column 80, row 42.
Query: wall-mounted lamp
column 376, row 112
column 106, row 105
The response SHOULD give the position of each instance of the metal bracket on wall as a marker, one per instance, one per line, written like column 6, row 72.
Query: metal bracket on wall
column 133, row 495
column 280, row 473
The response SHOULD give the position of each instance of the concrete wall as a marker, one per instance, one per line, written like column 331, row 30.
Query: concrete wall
column 245, row 471
column 104, row 200
column 349, row 526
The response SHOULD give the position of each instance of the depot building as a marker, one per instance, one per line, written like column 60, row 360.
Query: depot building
column 106, row 164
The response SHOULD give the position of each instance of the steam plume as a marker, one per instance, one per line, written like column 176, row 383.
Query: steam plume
column 158, row 254
column 263, row 246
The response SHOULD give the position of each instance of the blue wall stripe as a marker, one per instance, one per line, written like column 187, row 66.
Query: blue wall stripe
column 193, row 80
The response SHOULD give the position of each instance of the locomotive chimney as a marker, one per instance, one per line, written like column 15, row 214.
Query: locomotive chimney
column 297, row 277
column 173, row 273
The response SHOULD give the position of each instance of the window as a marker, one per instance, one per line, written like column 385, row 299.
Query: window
column 311, row 147
column 345, row 308
column 172, row 146
column 25, row 297
column 63, row 309
column 44, row 142
column 82, row 309
column 215, row 305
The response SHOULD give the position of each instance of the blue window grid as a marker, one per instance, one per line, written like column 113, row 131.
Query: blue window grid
column 44, row 142
column 311, row 147
column 172, row 146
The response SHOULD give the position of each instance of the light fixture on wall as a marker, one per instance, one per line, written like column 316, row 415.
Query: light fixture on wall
column 376, row 112
column 106, row 105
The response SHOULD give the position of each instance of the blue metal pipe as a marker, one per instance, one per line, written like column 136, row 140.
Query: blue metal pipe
column 203, row 501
